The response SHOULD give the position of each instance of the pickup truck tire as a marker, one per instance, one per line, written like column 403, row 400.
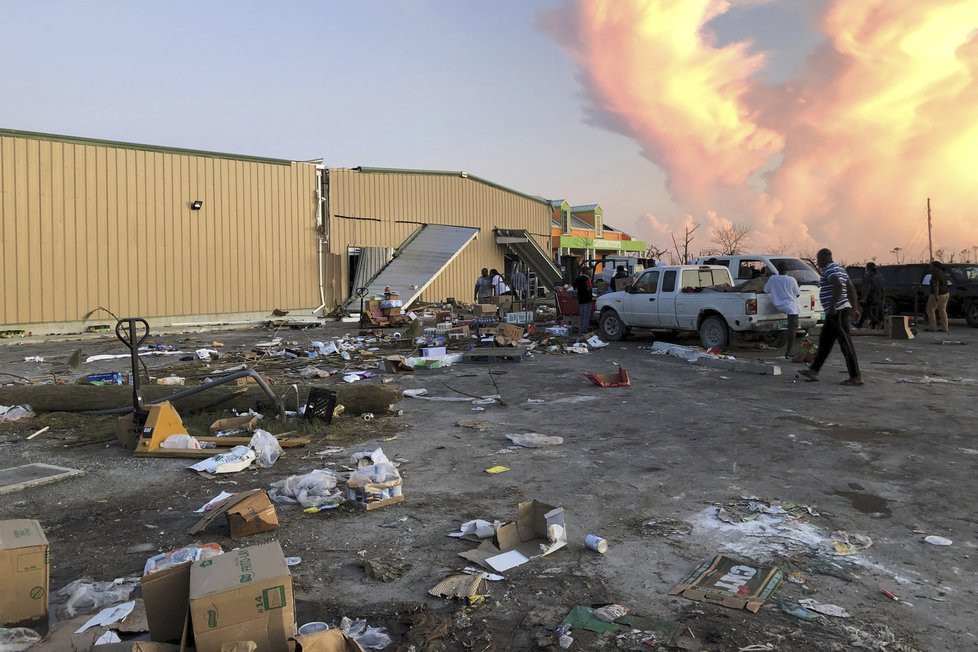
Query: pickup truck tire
column 971, row 313
column 714, row 332
column 612, row 327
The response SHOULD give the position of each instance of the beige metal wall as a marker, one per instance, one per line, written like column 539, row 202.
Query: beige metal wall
column 381, row 209
column 84, row 224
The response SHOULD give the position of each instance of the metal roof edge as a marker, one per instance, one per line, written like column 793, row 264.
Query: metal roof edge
column 451, row 173
column 80, row 140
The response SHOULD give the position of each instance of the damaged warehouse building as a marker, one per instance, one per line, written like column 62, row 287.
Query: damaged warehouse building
column 187, row 237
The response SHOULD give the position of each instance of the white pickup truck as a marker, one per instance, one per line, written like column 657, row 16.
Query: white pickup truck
column 745, row 267
column 696, row 298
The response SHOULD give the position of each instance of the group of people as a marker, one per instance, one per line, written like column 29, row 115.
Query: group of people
column 491, row 284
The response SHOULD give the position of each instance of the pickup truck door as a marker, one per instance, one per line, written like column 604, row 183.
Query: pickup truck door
column 668, row 300
column 639, row 304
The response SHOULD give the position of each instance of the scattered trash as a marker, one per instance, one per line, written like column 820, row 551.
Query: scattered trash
column 314, row 489
column 538, row 530
column 731, row 583
column 844, row 543
column 476, row 530
column 85, row 595
column 312, row 628
column 798, row 577
column 798, row 611
column 181, row 441
column 535, row 401
column 470, row 588
column 372, row 638
column 580, row 347
column 266, row 447
column 192, row 553
column 171, row 380
column 889, row 595
column 34, row 358
column 534, row 440
column 17, row 639
column 476, row 424
column 367, row 416
column 935, row 540
column 235, row 424
column 236, row 459
column 596, row 342
column 615, row 379
column 493, row 470
column 248, row 512
column 219, row 498
column 11, row 413
column 108, row 616
column 610, row 613
column 375, row 485
column 596, row 543
column 824, row 608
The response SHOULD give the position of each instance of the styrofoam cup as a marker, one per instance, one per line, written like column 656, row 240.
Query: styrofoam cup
column 312, row 628
column 596, row 543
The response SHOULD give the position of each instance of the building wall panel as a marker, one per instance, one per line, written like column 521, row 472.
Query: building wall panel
column 85, row 224
column 381, row 209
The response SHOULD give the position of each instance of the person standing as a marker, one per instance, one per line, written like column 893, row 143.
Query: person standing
column 872, row 304
column 483, row 287
column 520, row 285
column 937, row 300
column 498, row 283
column 784, row 293
column 835, row 290
column 585, row 298
column 617, row 284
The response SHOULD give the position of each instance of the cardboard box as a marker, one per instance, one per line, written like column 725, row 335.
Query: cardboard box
column 433, row 351
column 332, row 640
column 510, row 331
column 248, row 512
column 539, row 530
column 485, row 309
column 395, row 363
column 166, row 594
column 524, row 317
column 24, row 572
column 242, row 595
column 731, row 583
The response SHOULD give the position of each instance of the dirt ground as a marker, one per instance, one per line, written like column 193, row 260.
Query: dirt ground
column 646, row 467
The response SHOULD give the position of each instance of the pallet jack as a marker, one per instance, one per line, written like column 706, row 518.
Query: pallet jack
column 146, row 428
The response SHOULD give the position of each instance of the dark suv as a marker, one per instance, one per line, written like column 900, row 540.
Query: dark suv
column 905, row 292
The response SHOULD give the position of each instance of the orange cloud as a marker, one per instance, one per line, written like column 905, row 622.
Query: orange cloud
column 885, row 115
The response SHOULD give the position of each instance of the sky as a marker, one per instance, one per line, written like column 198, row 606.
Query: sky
column 811, row 122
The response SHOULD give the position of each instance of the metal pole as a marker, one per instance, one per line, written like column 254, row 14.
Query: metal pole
column 930, row 240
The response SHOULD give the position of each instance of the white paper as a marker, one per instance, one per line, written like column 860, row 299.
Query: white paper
column 211, row 464
column 108, row 616
column 213, row 501
column 503, row 562
column 108, row 637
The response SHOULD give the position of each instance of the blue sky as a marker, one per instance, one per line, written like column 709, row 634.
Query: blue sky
column 419, row 84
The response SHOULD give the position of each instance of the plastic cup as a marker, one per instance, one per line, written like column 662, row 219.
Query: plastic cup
column 312, row 628
column 596, row 543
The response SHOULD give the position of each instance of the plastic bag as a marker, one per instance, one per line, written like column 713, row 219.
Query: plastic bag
column 371, row 638
column 177, row 556
column 85, row 596
column 266, row 447
column 313, row 489
column 17, row 639
column 374, row 474
column 10, row 413
column 180, row 441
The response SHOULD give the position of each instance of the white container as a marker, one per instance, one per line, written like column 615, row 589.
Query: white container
column 596, row 543
column 312, row 628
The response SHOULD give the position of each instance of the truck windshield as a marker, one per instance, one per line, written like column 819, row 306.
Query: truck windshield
column 798, row 268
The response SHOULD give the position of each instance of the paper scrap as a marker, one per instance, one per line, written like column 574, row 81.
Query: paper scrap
column 504, row 561
column 108, row 616
column 497, row 469
column 108, row 637
column 221, row 497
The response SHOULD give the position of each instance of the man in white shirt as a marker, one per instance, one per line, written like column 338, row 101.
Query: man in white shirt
column 784, row 295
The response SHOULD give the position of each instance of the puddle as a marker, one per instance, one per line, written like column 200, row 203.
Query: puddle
column 867, row 503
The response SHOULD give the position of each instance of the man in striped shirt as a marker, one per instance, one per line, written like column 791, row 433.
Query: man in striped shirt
column 835, row 290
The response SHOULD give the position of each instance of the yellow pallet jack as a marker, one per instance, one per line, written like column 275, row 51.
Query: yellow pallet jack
column 145, row 429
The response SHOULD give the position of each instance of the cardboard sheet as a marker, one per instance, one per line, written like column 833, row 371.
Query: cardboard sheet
column 731, row 583
column 539, row 530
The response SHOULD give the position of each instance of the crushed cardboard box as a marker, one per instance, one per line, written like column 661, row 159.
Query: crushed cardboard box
column 470, row 588
column 731, row 583
column 332, row 640
column 396, row 363
column 242, row 595
column 244, row 422
column 166, row 594
column 538, row 530
column 248, row 512
column 24, row 572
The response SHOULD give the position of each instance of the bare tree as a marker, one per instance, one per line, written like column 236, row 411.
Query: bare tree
column 781, row 249
column 651, row 251
column 684, row 254
column 732, row 239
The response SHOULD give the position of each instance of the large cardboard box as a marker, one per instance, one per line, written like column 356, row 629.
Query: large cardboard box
column 166, row 594
column 485, row 309
column 539, row 530
column 242, row 595
column 24, row 572
column 248, row 512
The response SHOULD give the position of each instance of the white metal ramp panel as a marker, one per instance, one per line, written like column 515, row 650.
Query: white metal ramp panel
column 532, row 254
column 418, row 263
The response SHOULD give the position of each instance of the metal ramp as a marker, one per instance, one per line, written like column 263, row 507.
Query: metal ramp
column 420, row 260
column 532, row 254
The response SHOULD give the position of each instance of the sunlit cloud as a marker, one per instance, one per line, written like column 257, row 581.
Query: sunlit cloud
column 845, row 154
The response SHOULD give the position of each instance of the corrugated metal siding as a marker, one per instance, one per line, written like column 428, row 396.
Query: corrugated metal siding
column 85, row 225
column 392, row 205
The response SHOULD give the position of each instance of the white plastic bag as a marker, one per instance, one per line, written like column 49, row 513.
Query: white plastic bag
column 180, row 441
column 17, row 639
column 313, row 489
column 85, row 596
column 266, row 447
column 10, row 413
column 375, row 473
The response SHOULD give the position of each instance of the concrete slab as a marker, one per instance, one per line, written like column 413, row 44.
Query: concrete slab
column 744, row 366
column 17, row 478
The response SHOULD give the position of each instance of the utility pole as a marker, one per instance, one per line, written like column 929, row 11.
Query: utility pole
column 930, row 239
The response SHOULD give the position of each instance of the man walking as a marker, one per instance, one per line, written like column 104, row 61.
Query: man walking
column 873, row 298
column 483, row 287
column 835, row 290
column 784, row 295
column 939, row 294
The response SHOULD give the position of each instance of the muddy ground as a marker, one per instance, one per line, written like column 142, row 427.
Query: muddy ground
column 646, row 467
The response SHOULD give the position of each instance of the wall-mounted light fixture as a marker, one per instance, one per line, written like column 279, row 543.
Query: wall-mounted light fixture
column 197, row 204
